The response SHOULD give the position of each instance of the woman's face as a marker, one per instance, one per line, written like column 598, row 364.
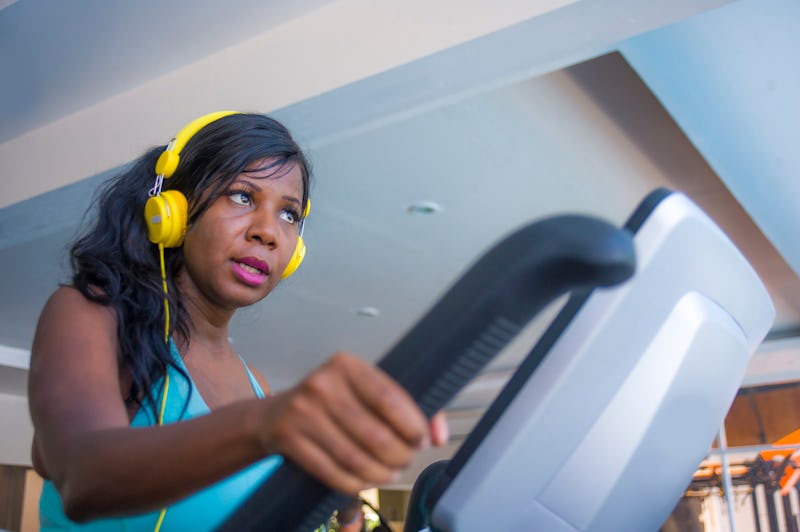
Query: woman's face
column 236, row 251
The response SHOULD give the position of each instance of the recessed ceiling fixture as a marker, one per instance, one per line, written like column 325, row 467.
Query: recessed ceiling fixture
column 368, row 312
column 424, row 207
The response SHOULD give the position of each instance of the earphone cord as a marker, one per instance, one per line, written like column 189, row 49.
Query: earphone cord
column 166, row 374
column 164, row 284
column 161, row 422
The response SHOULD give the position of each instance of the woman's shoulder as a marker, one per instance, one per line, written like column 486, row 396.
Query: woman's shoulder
column 68, row 304
column 73, row 332
column 70, row 296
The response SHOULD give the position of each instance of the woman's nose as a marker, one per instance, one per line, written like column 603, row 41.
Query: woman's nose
column 263, row 227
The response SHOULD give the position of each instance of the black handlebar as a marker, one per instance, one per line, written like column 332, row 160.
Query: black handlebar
column 480, row 314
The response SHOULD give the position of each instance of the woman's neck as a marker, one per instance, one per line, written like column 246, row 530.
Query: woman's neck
column 209, row 321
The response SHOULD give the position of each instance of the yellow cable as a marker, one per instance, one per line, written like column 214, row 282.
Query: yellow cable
column 166, row 374
column 161, row 422
column 163, row 400
column 164, row 285
column 160, row 520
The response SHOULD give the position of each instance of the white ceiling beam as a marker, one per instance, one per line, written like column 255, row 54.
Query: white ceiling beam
column 14, row 357
column 328, row 47
column 333, row 46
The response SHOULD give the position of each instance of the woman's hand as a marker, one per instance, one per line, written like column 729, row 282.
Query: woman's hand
column 440, row 430
column 349, row 425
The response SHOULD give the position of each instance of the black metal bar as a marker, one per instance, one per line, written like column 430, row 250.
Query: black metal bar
column 772, row 511
column 756, row 511
column 791, row 522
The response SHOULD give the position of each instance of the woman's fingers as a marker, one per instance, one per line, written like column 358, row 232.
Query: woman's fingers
column 317, row 460
column 350, row 425
column 440, row 430
column 386, row 399
column 365, row 405
column 347, row 465
column 370, row 433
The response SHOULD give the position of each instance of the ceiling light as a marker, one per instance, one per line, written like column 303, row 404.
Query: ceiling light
column 424, row 207
column 368, row 312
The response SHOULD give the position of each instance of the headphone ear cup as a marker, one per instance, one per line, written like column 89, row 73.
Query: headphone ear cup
column 166, row 216
column 297, row 258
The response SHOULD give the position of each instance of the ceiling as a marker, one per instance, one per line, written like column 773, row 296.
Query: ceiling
column 499, row 115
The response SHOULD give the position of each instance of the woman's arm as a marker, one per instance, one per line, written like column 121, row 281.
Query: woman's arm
column 83, row 441
column 347, row 423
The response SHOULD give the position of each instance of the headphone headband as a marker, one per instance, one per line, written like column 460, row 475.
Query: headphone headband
column 168, row 161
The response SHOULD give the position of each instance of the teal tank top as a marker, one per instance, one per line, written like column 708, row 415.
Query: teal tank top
column 204, row 510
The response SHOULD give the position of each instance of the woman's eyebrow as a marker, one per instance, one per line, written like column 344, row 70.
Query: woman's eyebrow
column 293, row 199
column 257, row 188
column 247, row 182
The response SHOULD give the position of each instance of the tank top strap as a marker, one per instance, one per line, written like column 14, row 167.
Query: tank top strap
column 253, row 381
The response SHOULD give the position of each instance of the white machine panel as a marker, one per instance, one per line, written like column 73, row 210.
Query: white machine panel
column 604, row 435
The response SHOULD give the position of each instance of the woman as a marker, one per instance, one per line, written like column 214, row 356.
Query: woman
column 139, row 341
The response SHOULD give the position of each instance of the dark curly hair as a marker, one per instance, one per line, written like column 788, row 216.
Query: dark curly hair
column 114, row 263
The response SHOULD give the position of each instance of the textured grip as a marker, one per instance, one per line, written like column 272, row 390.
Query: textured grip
column 486, row 345
column 477, row 317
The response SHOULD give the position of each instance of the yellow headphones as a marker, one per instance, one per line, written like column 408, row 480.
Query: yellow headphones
column 167, row 212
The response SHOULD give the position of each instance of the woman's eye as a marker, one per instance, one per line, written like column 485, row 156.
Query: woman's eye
column 289, row 216
column 240, row 197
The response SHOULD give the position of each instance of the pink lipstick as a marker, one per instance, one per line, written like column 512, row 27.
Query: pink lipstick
column 250, row 270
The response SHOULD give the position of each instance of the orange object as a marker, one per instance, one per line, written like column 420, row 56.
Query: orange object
column 789, row 439
column 789, row 480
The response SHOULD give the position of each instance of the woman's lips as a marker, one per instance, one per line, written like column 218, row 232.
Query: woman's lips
column 250, row 270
